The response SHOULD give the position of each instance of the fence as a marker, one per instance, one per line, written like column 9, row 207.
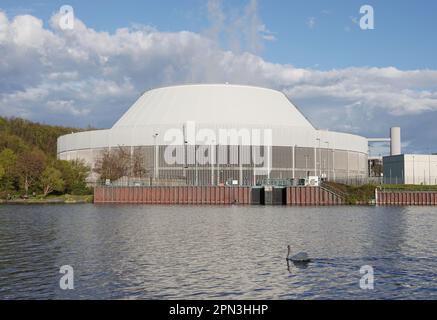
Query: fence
column 357, row 181
column 262, row 180
column 416, row 179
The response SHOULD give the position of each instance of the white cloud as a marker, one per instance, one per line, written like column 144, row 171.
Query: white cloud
column 238, row 30
column 311, row 22
column 217, row 19
column 82, row 76
column 266, row 34
column 66, row 107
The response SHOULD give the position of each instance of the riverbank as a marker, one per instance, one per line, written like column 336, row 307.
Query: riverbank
column 388, row 194
column 328, row 194
column 217, row 195
column 63, row 199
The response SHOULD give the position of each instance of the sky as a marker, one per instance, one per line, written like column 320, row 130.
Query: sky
column 342, row 77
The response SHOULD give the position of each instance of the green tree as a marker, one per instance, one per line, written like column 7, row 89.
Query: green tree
column 74, row 173
column 51, row 180
column 29, row 167
column 7, row 158
column 25, row 149
column 7, row 162
column 12, row 142
column 28, row 133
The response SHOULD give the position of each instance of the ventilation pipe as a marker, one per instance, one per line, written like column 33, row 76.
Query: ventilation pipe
column 395, row 145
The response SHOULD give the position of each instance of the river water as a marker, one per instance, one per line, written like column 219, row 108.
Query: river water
column 196, row 252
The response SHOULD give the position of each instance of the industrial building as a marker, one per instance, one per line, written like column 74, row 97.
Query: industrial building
column 289, row 145
column 411, row 169
column 416, row 169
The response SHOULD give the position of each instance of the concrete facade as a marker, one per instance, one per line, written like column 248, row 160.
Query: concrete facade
column 298, row 149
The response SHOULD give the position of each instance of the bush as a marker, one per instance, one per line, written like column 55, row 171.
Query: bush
column 356, row 194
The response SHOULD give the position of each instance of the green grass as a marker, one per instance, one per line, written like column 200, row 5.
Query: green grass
column 407, row 187
column 355, row 194
column 366, row 193
column 66, row 198
column 75, row 198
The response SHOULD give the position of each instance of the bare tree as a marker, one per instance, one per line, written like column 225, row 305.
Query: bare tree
column 138, row 164
column 119, row 163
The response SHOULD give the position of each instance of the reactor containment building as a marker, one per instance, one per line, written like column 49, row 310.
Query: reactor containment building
column 296, row 148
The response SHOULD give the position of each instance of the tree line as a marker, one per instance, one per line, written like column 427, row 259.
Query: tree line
column 28, row 163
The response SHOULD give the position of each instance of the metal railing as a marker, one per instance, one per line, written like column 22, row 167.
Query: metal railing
column 188, row 181
column 424, row 179
column 339, row 193
column 357, row 181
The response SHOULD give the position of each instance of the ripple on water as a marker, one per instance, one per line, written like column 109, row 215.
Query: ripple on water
column 147, row 252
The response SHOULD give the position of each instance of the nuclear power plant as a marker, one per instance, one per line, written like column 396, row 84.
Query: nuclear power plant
column 296, row 149
column 209, row 134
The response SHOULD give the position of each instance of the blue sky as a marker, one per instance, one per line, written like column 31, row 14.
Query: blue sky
column 341, row 77
column 405, row 34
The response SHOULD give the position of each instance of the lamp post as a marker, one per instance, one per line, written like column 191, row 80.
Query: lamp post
column 184, row 171
column 414, row 172
column 155, row 170
column 294, row 161
column 320, row 159
column 218, row 163
column 212, row 156
column 306, row 164
column 381, row 175
column 327, row 150
column 196, row 167
column 435, row 179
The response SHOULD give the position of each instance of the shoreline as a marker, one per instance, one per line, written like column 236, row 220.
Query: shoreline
column 64, row 199
column 75, row 202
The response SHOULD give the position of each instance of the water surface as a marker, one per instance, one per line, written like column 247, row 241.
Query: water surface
column 195, row 252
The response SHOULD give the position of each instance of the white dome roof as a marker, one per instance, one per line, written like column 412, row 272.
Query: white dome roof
column 217, row 104
column 211, row 106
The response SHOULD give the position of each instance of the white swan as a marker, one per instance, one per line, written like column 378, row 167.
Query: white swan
column 300, row 257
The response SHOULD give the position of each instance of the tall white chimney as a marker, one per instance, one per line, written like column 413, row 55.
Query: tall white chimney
column 395, row 145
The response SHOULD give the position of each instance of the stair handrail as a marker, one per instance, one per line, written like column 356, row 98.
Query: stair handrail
column 342, row 195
